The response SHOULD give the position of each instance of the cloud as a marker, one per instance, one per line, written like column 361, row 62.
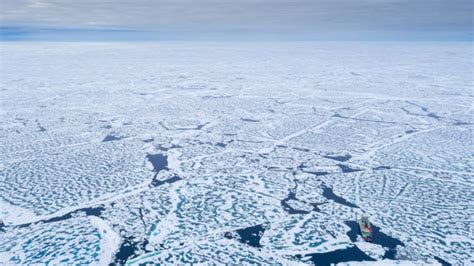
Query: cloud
column 252, row 17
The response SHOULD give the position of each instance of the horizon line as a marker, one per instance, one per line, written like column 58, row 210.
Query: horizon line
column 12, row 33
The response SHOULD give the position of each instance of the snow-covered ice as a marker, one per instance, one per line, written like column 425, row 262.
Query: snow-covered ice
column 236, row 152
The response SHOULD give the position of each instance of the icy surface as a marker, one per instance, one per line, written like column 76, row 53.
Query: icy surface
column 236, row 153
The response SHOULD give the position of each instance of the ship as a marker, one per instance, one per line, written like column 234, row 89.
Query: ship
column 365, row 228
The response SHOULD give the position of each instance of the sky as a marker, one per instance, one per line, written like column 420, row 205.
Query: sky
column 246, row 20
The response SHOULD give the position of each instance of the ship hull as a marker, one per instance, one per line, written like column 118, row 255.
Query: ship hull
column 365, row 230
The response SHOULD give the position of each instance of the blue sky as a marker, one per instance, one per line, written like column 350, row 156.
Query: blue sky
column 244, row 20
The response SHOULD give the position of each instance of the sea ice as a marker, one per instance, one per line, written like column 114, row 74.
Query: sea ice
column 236, row 152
